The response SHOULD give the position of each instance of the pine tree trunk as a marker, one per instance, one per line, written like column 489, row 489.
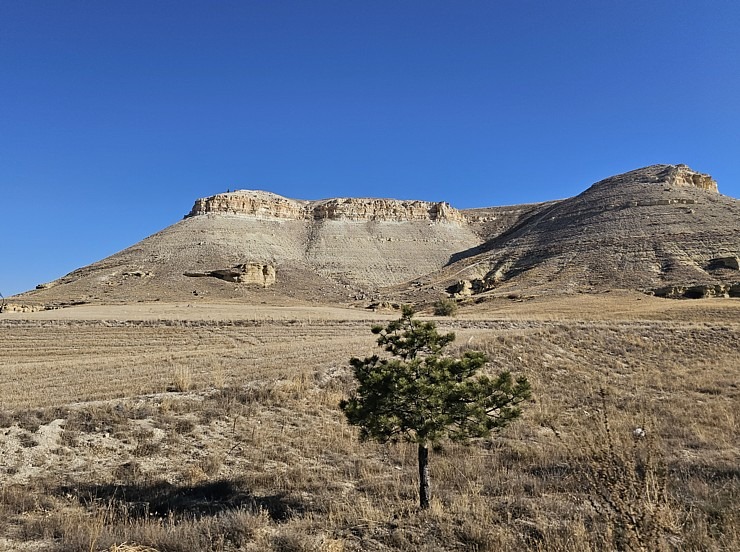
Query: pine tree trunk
column 424, row 493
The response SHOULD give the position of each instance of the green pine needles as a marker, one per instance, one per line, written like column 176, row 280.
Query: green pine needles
column 423, row 396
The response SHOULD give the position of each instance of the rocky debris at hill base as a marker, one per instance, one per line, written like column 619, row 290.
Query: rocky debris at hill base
column 466, row 288
column 383, row 306
column 17, row 307
column 475, row 286
column 698, row 291
column 247, row 273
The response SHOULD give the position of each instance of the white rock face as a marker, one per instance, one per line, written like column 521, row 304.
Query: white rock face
column 266, row 205
column 263, row 205
column 681, row 175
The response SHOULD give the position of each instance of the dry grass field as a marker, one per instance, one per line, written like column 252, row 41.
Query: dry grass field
column 216, row 427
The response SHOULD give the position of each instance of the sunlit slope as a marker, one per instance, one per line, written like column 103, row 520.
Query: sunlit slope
column 642, row 229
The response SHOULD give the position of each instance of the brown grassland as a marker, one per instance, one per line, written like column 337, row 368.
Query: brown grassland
column 217, row 427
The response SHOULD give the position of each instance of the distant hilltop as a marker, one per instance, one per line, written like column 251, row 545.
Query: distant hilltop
column 267, row 205
column 670, row 175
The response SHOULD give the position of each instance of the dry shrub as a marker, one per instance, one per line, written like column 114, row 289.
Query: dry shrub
column 75, row 530
column 125, row 547
column 17, row 499
column 99, row 418
column 128, row 472
column 32, row 420
column 69, row 438
column 211, row 464
column 6, row 419
column 627, row 484
column 27, row 440
column 112, row 525
column 182, row 379
column 289, row 539
column 193, row 475
column 145, row 445
column 184, row 426
column 445, row 307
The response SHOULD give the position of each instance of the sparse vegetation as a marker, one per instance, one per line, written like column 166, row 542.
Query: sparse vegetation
column 445, row 307
column 183, row 379
column 626, row 481
column 267, row 462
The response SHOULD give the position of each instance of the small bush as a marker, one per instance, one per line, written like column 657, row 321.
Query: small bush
column 445, row 307
column 184, row 425
column 27, row 440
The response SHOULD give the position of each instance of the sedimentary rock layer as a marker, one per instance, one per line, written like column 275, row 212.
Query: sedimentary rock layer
column 267, row 205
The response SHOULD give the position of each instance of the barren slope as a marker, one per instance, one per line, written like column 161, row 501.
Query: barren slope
column 639, row 230
column 325, row 251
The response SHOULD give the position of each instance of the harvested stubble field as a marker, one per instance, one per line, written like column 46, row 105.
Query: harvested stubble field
column 199, row 433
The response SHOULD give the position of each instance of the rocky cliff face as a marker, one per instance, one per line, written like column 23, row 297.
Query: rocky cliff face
column 246, row 273
column 681, row 175
column 673, row 176
column 266, row 205
column 387, row 210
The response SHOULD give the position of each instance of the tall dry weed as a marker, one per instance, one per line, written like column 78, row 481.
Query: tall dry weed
column 626, row 481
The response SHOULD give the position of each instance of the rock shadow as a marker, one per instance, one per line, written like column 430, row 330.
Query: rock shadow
column 163, row 499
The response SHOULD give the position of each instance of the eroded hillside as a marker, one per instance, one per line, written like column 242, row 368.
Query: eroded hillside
column 663, row 227
column 658, row 226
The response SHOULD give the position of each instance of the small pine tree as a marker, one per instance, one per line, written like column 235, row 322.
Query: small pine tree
column 422, row 396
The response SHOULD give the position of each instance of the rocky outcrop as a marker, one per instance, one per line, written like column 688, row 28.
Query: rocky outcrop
column 248, row 273
column 386, row 210
column 17, row 307
column 466, row 288
column 668, row 176
column 702, row 291
column 681, row 175
column 47, row 285
column 265, row 205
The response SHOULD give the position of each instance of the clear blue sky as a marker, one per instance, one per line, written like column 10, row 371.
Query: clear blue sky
column 116, row 116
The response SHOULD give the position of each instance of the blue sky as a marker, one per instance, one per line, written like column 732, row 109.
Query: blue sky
column 116, row 116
